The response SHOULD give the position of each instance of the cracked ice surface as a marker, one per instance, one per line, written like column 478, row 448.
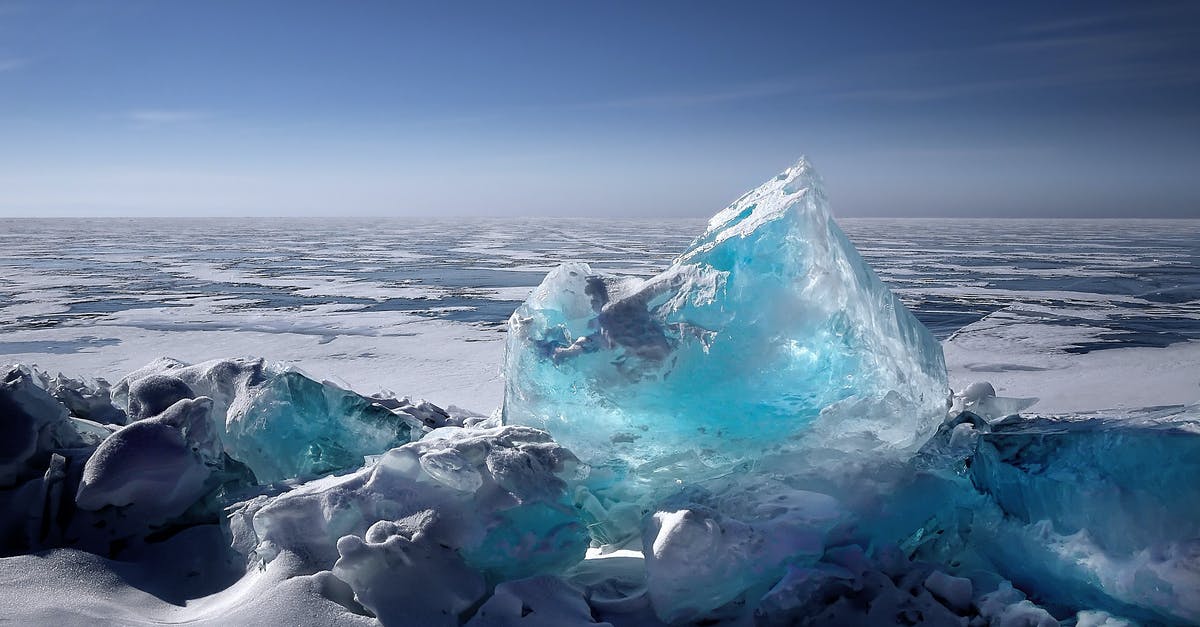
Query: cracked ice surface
column 769, row 332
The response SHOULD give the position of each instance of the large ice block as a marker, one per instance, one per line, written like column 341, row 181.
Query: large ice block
column 158, row 467
column 768, row 332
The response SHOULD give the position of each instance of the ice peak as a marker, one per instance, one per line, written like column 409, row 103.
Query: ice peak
column 798, row 190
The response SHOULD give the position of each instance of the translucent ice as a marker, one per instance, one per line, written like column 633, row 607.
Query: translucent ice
column 769, row 331
column 278, row 422
column 1097, row 513
column 293, row 426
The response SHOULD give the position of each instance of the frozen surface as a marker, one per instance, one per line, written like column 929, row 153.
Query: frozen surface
column 1070, row 311
column 769, row 328
column 248, row 492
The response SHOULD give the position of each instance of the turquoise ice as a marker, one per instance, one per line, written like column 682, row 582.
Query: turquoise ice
column 769, row 332
column 1097, row 513
column 293, row 426
column 275, row 420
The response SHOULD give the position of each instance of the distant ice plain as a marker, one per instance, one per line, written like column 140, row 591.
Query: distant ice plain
column 1088, row 315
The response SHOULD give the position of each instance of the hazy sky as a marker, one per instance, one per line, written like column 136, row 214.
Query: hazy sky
column 597, row 108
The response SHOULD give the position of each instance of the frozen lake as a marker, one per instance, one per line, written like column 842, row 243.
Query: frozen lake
column 1086, row 314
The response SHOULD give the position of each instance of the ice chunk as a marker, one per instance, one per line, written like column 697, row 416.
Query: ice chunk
column 1096, row 513
column 405, row 577
column 497, row 496
column 159, row 466
column 33, row 425
column 849, row 588
column 1131, row 486
column 150, row 395
column 535, row 602
column 955, row 592
column 769, row 332
column 277, row 421
column 698, row 559
column 1096, row 618
column 88, row 400
column 980, row 398
column 293, row 426
column 1008, row 607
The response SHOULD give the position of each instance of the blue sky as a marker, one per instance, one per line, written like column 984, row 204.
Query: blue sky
column 597, row 108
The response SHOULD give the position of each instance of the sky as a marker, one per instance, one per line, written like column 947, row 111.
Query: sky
column 597, row 109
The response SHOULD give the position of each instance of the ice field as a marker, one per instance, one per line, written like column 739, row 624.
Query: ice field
column 1059, row 309
column 771, row 419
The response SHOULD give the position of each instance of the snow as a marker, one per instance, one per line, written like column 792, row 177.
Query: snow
column 159, row 465
column 445, row 362
column 1028, row 360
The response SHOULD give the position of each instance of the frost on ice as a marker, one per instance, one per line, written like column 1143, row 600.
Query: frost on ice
column 770, row 332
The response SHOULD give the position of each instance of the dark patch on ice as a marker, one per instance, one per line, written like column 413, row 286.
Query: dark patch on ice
column 114, row 305
column 473, row 309
column 1004, row 368
column 55, row 347
column 944, row 316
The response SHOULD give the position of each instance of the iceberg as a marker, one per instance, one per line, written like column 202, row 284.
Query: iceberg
column 769, row 333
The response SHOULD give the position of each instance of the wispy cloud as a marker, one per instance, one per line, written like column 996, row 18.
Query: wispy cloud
column 736, row 93
column 8, row 65
column 1124, row 74
column 164, row 117
column 1121, row 18
column 1134, row 49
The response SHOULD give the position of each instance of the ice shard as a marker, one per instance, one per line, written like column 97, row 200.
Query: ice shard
column 293, row 426
column 769, row 332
